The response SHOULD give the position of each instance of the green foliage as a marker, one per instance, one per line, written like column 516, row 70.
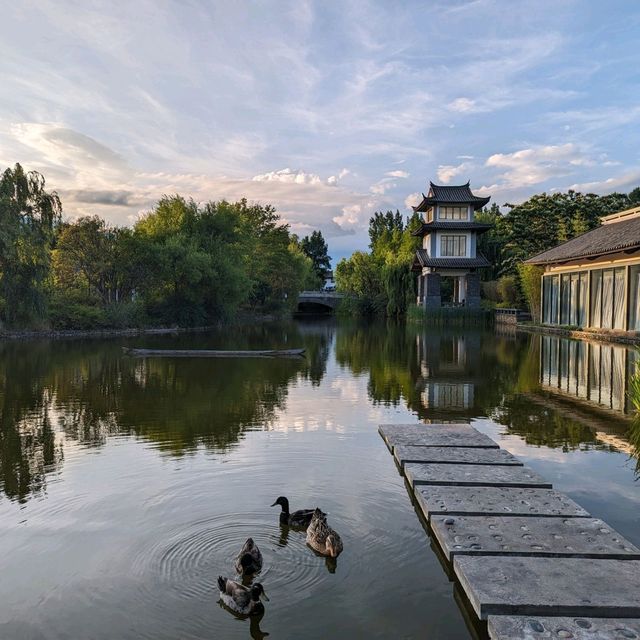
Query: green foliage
column 316, row 249
column 28, row 216
column 544, row 220
column 381, row 281
column 507, row 288
column 450, row 316
column 531, row 283
column 181, row 264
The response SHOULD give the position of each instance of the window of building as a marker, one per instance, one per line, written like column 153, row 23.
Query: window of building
column 607, row 298
column 453, row 246
column 454, row 213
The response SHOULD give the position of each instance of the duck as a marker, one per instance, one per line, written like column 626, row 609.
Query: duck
column 322, row 538
column 240, row 599
column 249, row 560
column 299, row 518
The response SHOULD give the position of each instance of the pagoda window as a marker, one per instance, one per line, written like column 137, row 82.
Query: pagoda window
column 454, row 213
column 453, row 246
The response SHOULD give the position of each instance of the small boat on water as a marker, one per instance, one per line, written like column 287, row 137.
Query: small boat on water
column 208, row 353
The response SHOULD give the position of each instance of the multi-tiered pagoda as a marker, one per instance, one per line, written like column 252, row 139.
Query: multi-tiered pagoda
column 449, row 239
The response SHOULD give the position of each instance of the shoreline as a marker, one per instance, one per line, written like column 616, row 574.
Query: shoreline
column 580, row 334
column 70, row 334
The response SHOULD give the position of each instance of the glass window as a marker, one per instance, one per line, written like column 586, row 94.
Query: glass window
column 565, row 299
column 454, row 213
column 546, row 300
column 634, row 298
column 596, row 298
column 453, row 245
column 575, row 283
column 607, row 299
column 555, row 300
column 583, row 297
column 618, row 298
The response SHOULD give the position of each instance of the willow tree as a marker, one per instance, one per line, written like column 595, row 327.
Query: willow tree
column 28, row 216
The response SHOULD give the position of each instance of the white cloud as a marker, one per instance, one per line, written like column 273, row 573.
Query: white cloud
column 398, row 174
column 447, row 172
column 290, row 176
column 532, row 166
column 412, row 200
column 628, row 180
column 462, row 105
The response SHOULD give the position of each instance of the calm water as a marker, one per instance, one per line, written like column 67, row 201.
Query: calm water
column 127, row 486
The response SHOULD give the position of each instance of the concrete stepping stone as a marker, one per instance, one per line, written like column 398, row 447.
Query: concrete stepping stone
column 450, row 455
column 467, row 475
column 538, row 627
column 478, row 501
column 434, row 435
column 508, row 585
column 541, row 536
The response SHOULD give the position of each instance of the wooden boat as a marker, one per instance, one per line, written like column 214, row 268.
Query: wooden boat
column 208, row 353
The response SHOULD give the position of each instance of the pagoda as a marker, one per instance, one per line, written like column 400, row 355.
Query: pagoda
column 449, row 239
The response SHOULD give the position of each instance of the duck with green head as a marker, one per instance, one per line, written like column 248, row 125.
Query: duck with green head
column 299, row 518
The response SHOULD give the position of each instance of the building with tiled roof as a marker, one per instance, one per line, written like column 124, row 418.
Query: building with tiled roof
column 593, row 280
column 449, row 245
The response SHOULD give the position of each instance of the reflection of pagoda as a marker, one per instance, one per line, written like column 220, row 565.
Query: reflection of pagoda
column 447, row 363
column 449, row 239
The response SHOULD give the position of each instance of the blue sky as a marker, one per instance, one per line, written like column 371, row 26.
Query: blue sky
column 329, row 110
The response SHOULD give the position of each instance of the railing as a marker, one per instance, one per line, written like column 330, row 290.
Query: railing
column 512, row 316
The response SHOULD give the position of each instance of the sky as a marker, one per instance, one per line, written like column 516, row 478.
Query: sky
column 327, row 110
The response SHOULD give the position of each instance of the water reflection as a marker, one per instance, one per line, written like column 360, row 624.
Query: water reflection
column 549, row 390
column 83, row 392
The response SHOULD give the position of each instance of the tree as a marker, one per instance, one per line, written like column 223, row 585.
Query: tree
column 315, row 247
column 384, row 223
column 28, row 217
column 531, row 282
column 634, row 197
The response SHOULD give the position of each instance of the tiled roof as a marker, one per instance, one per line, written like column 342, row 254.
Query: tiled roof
column 425, row 260
column 458, row 225
column 450, row 194
column 609, row 238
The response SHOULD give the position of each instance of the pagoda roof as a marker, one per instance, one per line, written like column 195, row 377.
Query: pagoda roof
column 450, row 194
column 456, row 225
column 423, row 259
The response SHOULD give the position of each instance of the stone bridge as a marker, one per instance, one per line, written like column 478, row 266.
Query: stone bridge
column 318, row 301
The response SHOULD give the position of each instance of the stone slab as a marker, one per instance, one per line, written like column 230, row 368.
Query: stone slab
column 434, row 435
column 453, row 455
column 478, row 501
column 467, row 475
column 508, row 585
column 541, row 536
column 539, row 628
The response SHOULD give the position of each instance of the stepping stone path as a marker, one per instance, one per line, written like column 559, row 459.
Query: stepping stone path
column 530, row 560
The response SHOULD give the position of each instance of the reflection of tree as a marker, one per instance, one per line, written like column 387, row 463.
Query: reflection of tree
column 542, row 425
column 87, row 391
column 28, row 447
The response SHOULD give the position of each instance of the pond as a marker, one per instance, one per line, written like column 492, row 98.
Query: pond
column 128, row 485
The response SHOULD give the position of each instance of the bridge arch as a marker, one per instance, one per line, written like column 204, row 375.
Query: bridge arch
column 318, row 301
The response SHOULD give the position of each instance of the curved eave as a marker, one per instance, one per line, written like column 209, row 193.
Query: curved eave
column 427, row 203
column 430, row 227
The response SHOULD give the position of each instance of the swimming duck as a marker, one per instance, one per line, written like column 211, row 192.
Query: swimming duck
column 241, row 599
column 300, row 518
column 321, row 537
column 249, row 560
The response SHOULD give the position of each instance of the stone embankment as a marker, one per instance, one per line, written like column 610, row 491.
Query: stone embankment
column 531, row 562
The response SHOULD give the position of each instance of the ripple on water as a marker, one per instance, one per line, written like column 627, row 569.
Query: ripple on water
column 188, row 559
